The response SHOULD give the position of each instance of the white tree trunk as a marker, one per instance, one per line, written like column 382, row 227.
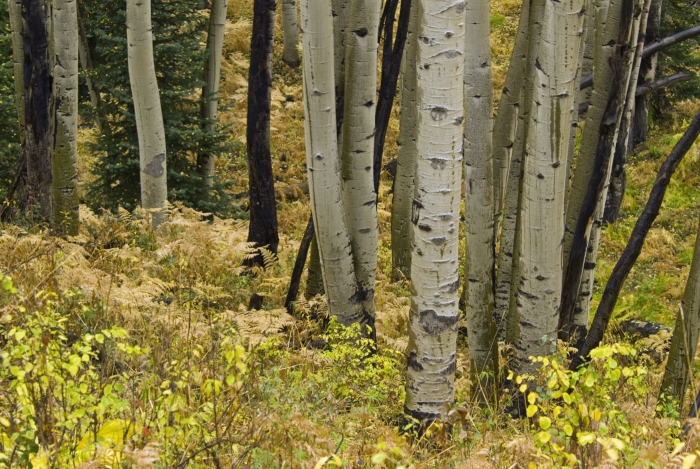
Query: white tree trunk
column 360, row 199
column 406, row 161
column 435, row 218
column 64, row 109
column 323, row 162
column 290, row 26
column 212, row 73
column 149, row 118
column 544, row 181
column 479, row 197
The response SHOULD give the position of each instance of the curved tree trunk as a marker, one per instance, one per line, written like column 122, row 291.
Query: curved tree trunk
column 149, row 117
column 544, row 181
column 323, row 162
column 210, row 90
column 290, row 26
column 360, row 198
column 37, row 93
column 406, row 161
column 479, row 201
column 262, row 229
column 432, row 342
column 64, row 106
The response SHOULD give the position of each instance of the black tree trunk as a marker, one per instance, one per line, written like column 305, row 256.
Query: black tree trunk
column 647, row 71
column 37, row 88
column 263, row 209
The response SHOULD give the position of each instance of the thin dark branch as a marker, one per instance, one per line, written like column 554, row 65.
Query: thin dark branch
column 666, row 81
column 636, row 242
column 295, row 281
column 654, row 47
column 391, row 65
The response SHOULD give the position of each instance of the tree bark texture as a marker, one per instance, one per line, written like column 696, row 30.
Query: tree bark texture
column 647, row 74
column 210, row 90
column 64, row 110
column 295, row 280
column 360, row 198
column 314, row 278
column 37, row 114
column 15, row 10
column 262, row 229
column 578, row 280
column 636, row 242
column 507, row 271
column 149, row 117
column 479, row 267
column 544, row 181
column 432, row 341
column 290, row 27
column 685, row 336
column 406, row 161
column 323, row 163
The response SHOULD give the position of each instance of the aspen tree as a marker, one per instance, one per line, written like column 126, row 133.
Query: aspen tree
column 212, row 73
column 359, row 197
column 86, row 65
column 149, row 118
column 64, row 148
column 15, row 10
column 544, row 181
column 323, row 162
column 290, row 26
column 406, row 161
column 435, row 209
column 479, row 197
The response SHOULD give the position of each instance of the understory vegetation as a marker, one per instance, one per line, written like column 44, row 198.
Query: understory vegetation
column 129, row 347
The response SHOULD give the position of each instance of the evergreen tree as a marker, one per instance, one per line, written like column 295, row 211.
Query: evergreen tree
column 179, row 36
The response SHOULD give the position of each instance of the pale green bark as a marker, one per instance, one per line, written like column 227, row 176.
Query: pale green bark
column 64, row 109
column 15, row 9
column 544, row 182
column 359, row 197
column 341, row 10
column 212, row 73
column 290, row 27
column 435, row 218
column 149, row 118
column 323, row 163
column 479, row 200
column 406, row 161
column 504, row 310
column 583, row 304
column 685, row 335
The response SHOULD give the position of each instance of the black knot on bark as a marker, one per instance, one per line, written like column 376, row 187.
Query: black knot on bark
column 362, row 32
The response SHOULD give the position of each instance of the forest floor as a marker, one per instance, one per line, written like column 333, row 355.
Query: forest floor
column 173, row 370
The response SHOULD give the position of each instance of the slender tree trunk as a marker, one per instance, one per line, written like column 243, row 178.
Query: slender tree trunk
column 15, row 10
column 360, row 198
column 323, row 162
column 340, row 11
column 432, row 342
column 290, row 26
column 262, row 229
column 406, row 161
column 210, row 90
column 511, row 141
column 86, row 65
column 149, row 117
column 37, row 93
column 295, row 280
column 685, row 336
column 544, row 181
column 647, row 74
column 64, row 107
column 314, row 279
column 479, row 200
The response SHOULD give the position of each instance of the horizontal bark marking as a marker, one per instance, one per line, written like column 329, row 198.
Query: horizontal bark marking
column 434, row 324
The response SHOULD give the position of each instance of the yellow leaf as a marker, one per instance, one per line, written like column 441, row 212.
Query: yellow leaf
column 545, row 423
column 689, row 461
column 532, row 398
column 4, row 422
column 585, row 438
column 568, row 429
column 523, row 387
column 677, row 450
column 596, row 415
column 531, row 410
column 544, row 437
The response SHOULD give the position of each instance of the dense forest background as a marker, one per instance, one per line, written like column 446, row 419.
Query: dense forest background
column 133, row 347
